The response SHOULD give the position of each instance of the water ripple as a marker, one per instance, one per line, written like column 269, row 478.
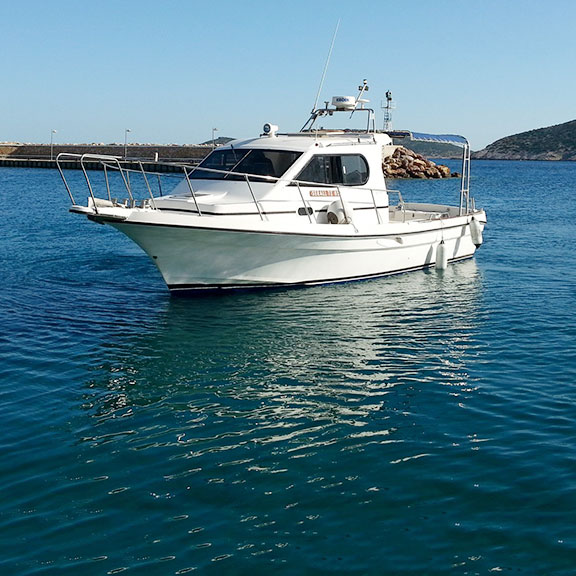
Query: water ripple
column 421, row 424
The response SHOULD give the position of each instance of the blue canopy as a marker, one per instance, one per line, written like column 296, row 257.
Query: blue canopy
column 438, row 138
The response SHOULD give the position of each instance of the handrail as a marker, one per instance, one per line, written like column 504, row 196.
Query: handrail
column 192, row 192
column 114, row 163
column 89, row 186
column 107, row 182
column 465, row 181
column 320, row 112
column 307, row 208
column 400, row 202
column 63, row 154
column 114, row 159
column 153, row 204
column 254, row 197
column 379, row 220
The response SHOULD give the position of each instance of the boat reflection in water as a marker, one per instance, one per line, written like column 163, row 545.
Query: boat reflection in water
column 334, row 353
column 279, row 426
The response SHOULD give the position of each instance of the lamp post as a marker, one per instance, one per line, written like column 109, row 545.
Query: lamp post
column 126, row 142
column 213, row 141
column 52, row 144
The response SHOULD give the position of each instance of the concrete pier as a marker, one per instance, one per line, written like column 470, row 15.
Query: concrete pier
column 44, row 155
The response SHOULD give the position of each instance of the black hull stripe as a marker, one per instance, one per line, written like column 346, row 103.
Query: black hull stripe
column 184, row 288
column 264, row 212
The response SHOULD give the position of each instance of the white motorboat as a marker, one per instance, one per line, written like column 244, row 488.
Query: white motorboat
column 286, row 209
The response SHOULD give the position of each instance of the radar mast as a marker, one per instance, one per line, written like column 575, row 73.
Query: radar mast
column 387, row 108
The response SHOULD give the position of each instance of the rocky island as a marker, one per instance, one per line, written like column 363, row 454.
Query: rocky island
column 553, row 143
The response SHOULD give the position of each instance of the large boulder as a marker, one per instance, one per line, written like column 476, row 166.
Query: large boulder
column 405, row 163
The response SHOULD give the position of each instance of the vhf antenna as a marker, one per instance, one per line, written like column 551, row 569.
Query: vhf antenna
column 361, row 89
column 326, row 66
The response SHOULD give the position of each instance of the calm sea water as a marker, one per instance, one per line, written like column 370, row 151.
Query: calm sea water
column 419, row 424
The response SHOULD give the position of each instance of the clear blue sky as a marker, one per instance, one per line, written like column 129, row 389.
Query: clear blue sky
column 172, row 70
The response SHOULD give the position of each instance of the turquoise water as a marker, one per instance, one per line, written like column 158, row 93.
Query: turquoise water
column 419, row 424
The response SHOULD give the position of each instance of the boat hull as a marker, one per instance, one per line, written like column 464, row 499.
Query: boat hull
column 192, row 258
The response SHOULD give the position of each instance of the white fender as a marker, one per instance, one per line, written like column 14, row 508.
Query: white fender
column 441, row 256
column 476, row 232
column 339, row 212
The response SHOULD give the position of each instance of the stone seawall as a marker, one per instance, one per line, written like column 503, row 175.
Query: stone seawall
column 172, row 153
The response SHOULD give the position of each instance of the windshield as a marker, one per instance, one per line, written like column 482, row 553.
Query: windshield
column 254, row 162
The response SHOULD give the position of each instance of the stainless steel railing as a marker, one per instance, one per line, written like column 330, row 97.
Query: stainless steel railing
column 127, row 176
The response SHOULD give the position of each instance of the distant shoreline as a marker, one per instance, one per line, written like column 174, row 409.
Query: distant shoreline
column 147, row 152
column 15, row 155
column 518, row 158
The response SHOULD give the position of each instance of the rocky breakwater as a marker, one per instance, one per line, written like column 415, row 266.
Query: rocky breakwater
column 404, row 163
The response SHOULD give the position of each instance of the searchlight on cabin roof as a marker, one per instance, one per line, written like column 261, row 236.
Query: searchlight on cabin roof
column 270, row 129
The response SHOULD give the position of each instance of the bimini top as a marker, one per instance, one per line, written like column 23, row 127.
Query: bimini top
column 438, row 138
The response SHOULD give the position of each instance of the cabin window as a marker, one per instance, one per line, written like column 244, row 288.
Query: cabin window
column 354, row 170
column 348, row 169
column 232, row 164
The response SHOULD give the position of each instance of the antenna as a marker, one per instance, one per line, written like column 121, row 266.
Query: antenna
column 326, row 66
column 361, row 89
column 387, row 111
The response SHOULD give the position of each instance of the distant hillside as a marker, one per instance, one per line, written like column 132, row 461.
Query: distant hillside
column 552, row 143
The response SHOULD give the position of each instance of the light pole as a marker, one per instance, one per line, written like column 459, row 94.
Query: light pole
column 126, row 142
column 213, row 141
column 52, row 144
